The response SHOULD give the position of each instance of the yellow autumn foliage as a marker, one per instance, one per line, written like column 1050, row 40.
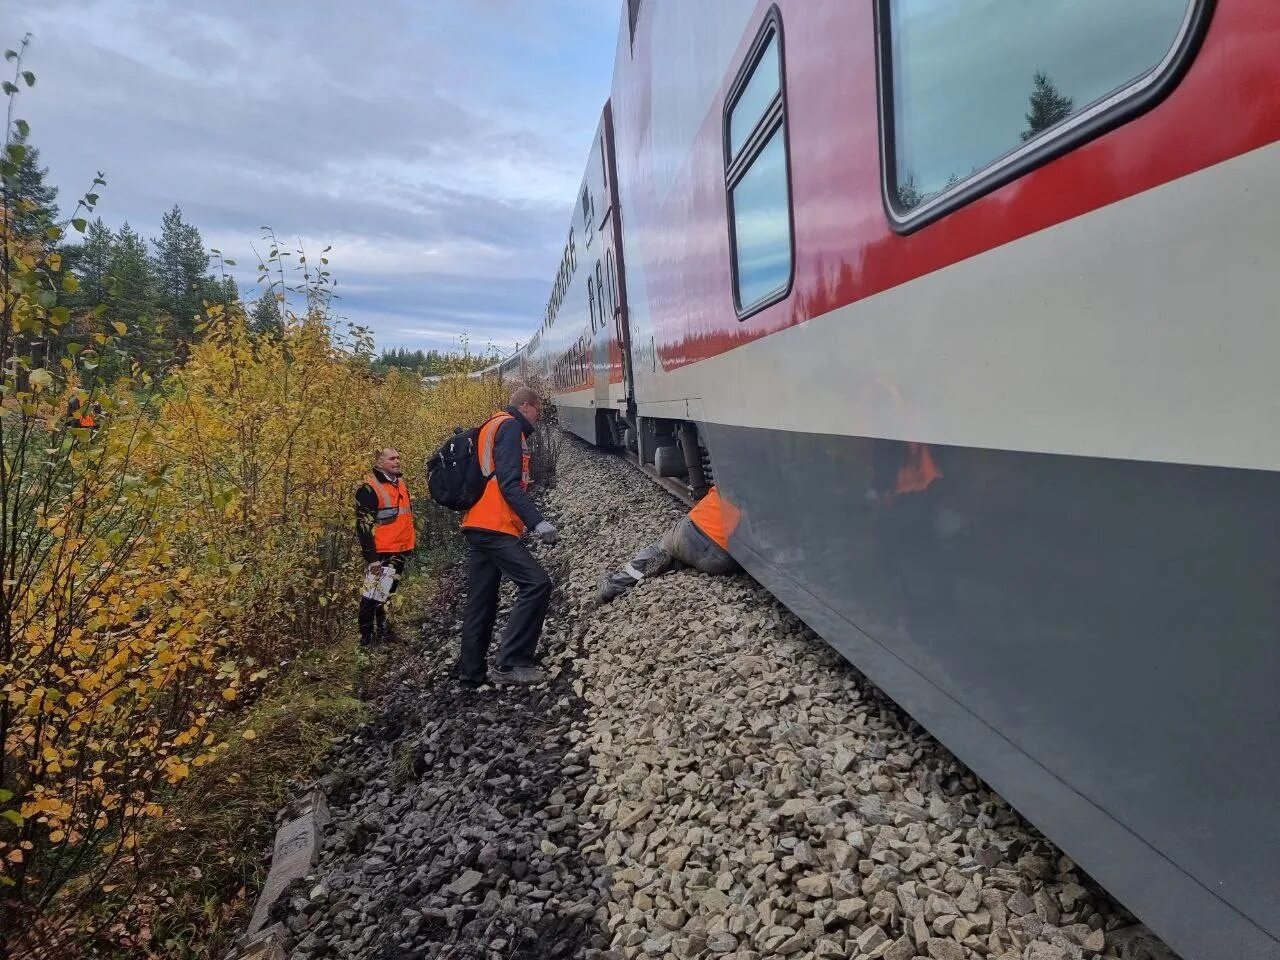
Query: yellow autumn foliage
column 169, row 562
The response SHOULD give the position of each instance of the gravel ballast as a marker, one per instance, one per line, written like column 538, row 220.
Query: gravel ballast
column 702, row 777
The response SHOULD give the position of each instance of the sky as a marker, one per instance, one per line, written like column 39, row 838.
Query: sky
column 437, row 145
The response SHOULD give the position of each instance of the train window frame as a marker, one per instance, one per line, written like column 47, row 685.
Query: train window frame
column 600, row 291
column 1096, row 119
column 736, row 167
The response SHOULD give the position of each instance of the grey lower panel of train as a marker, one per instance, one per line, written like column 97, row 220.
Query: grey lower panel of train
column 578, row 420
column 1097, row 639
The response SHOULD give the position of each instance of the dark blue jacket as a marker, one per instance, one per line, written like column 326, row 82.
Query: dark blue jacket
column 508, row 467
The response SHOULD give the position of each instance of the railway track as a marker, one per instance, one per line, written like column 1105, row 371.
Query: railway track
column 703, row 777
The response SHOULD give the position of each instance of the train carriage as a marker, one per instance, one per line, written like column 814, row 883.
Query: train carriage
column 580, row 346
column 970, row 308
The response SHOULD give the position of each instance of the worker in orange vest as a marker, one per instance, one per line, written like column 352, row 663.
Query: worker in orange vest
column 384, row 526
column 492, row 529
column 83, row 416
column 699, row 540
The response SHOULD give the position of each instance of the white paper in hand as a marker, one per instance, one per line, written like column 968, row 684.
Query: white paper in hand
column 377, row 586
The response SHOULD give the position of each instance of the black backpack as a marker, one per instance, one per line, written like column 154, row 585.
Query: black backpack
column 454, row 478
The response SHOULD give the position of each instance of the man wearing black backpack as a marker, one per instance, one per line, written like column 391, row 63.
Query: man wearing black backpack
column 492, row 529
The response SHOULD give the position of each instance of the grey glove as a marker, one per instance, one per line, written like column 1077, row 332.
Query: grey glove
column 546, row 532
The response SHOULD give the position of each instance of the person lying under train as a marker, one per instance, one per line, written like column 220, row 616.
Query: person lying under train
column 699, row 540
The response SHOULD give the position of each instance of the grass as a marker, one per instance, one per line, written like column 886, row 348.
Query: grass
column 205, row 862
column 202, row 864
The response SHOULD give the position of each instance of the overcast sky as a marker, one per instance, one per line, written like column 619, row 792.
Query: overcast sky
column 436, row 144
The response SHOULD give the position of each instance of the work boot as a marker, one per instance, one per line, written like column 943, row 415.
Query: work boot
column 521, row 676
column 613, row 585
column 386, row 632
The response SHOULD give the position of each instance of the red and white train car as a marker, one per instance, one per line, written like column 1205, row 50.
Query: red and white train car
column 578, row 352
column 973, row 306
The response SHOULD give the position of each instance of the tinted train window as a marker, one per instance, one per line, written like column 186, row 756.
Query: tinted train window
column 756, row 176
column 972, row 88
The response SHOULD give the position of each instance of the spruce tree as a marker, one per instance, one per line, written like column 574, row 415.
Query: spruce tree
column 226, row 293
column 133, row 299
column 266, row 319
column 1048, row 106
column 182, row 274
column 90, row 261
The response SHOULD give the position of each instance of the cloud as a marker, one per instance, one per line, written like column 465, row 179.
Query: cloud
column 437, row 147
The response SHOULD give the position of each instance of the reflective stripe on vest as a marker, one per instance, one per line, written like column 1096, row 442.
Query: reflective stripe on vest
column 491, row 511
column 393, row 527
column 715, row 517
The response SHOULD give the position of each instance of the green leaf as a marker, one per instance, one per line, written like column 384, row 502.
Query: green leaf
column 11, row 54
column 17, row 152
column 80, row 224
column 47, row 299
column 54, row 233
column 24, row 128
column 9, row 88
column 13, row 816
column 91, row 198
column 229, row 263
column 6, row 796
column 70, row 284
column 30, row 77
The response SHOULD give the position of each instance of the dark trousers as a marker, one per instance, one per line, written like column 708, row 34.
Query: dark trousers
column 490, row 557
column 374, row 610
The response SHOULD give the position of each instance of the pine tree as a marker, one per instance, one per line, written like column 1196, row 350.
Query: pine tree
column 182, row 274
column 266, row 319
column 30, row 196
column 1048, row 106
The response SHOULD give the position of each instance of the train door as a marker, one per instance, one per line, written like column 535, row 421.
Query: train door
column 614, row 280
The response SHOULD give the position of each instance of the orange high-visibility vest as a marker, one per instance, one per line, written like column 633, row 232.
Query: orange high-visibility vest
column 715, row 517
column 918, row 473
column 393, row 529
column 87, row 421
column 492, row 512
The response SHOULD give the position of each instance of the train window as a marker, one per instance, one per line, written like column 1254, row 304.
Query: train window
column 763, row 87
column 757, row 177
column 633, row 16
column 971, row 99
column 591, row 302
column 613, row 284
